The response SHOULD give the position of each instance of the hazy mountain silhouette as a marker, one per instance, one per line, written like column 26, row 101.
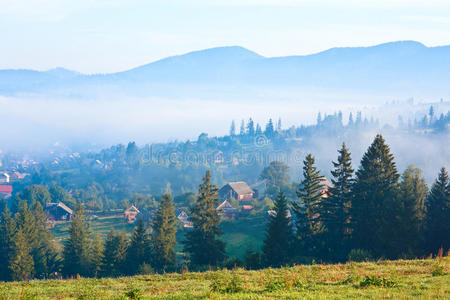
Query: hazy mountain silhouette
column 396, row 68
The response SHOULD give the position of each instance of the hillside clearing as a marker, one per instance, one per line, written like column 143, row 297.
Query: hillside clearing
column 383, row 279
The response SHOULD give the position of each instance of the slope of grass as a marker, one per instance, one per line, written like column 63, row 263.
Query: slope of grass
column 402, row 279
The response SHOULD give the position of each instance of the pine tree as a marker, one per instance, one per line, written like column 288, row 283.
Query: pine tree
column 21, row 262
column 242, row 128
column 7, row 232
column 139, row 248
column 114, row 255
column 438, row 212
column 269, row 131
column 232, row 129
column 412, row 196
column 96, row 256
column 375, row 207
column 76, row 251
column 308, row 207
column 250, row 127
column 163, row 237
column 279, row 236
column 44, row 254
column 201, row 243
column 335, row 212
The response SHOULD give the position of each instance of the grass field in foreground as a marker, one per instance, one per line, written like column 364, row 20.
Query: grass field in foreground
column 418, row 279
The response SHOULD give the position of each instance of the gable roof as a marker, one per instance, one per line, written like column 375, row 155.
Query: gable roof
column 132, row 208
column 5, row 188
column 225, row 205
column 62, row 205
column 240, row 187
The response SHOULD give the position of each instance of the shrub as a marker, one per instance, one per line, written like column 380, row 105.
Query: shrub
column 359, row 255
column 133, row 294
column 145, row 269
column 226, row 283
column 377, row 281
column 438, row 271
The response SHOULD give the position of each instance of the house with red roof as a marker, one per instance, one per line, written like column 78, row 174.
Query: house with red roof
column 5, row 191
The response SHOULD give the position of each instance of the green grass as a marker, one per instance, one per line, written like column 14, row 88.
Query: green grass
column 101, row 226
column 401, row 279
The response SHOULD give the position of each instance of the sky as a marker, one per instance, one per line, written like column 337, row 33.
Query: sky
column 104, row 36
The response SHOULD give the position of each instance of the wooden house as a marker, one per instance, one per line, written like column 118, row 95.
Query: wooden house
column 5, row 191
column 238, row 190
column 226, row 209
column 58, row 212
column 130, row 214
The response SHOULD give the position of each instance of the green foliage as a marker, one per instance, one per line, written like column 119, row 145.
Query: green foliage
column 76, row 251
column 360, row 255
column 438, row 212
column 201, row 243
column 372, row 280
column 114, row 255
column 277, row 246
column 335, row 209
column 133, row 293
column 227, row 283
column 376, row 205
column 139, row 249
column 163, row 236
column 308, row 207
column 438, row 270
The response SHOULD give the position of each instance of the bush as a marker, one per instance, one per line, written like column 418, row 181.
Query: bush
column 360, row 255
column 438, row 271
column 377, row 281
column 133, row 294
column 226, row 283
column 145, row 269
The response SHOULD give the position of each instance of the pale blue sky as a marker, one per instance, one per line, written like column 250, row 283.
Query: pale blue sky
column 96, row 36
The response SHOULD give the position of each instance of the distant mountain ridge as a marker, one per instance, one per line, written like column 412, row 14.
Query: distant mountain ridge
column 405, row 67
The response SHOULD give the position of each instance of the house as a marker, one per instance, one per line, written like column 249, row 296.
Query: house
column 58, row 212
column 238, row 190
column 4, row 178
column 16, row 176
column 183, row 217
column 226, row 209
column 5, row 191
column 246, row 209
column 130, row 214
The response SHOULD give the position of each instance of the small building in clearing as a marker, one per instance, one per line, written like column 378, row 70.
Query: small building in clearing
column 58, row 212
column 238, row 190
column 226, row 209
column 130, row 214
column 4, row 178
column 5, row 191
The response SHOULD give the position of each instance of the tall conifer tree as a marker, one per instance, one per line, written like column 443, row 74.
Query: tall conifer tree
column 114, row 254
column 139, row 250
column 335, row 213
column 375, row 207
column 279, row 236
column 21, row 262
column 76, row 251
column 202, row 243
column 307, row 209
column 7, row 232
column 438, row 212
column 163, row 236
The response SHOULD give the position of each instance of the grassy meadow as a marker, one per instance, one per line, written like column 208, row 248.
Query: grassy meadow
column 401, row 279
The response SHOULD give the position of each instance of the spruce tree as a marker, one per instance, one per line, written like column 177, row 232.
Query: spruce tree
column 375, row 207
column 309, row 194
column 76, row 251
column 438, row 214
column 163, row 236
column 202, row 243
column 232, row 129
column 21, row 262
column 279, row 236
column 139, row 249
column 114, row 255
column 335, row 213
column 412, row 196
column 7, row 232
column 96, row 256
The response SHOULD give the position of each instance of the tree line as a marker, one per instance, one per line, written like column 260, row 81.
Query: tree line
column 372, row 213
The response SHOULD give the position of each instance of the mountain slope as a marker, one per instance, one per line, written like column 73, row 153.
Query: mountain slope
column 395, row 68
